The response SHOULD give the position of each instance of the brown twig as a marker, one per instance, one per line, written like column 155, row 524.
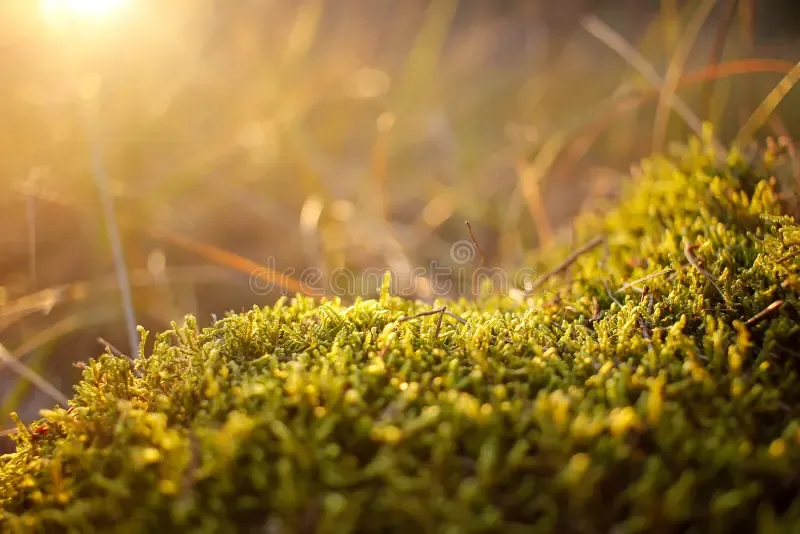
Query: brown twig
column 569, row 260
column 113, row 350
column 789, row 256
column 440, row 311
column 763, row 313
column 529, row 177
column 646, row 334
column 439, row 324
column 687, row 251
column 483, row 259
column 611, row 294
column 646, row 278
column 422, row 314
column 475, row 242
column 595, row 310
column 455, row 316
column 674, row 275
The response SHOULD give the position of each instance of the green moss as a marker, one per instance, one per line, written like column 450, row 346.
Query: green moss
column 598, row 411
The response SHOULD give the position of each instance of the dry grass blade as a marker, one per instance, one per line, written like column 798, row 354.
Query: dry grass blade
column 483, row 259
column 304, row 31
column 27, row 373
column 529, row 177
column 41, row 301
column 439, row 323
column 645, row 329
column 234, row 261
column 792, row 151
column 646, row 278
column 102, row 182
column 102, row 315
column 789, row 256
column 588, row 132
column 31, row 219
column 455, row 316
column 611, row 293
column 723, row 27
column 569, row 260
column 674, row 70
column 616, row 42
column 422, row 314
column 736, row 67
column 763, row 313
column 379, row 157
column 210, row 252
column 113, row 350
column 687, row 251
column 441, row 312
column 670, row 21
column 475, row 242
column 746, row 45
column 46, row 299
column 767, row 107
column 422, row 60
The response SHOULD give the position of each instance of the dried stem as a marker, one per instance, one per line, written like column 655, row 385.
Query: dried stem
column 569, row 260
column 646, row 278
column 440, row 311
column 475, row 242
column 673, row 75
column 455, row 316
column 723, row 27
column 646, row 334
column 113, row 350
column 789, row 256
column 611, row 293
column 37, row 380
column 763, row 313
column 483, row 259
column 617, row 43
column 767, row 107
column 687, row 251
column 422, row 314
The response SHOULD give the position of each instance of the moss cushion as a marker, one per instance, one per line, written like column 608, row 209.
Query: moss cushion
column 592, row 405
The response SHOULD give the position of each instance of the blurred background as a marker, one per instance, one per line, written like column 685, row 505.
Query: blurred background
column 314, row 134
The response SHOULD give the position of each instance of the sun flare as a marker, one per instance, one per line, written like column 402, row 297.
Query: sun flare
column 79, row 8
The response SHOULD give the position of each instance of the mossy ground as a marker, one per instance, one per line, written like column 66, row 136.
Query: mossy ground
column 669, row 406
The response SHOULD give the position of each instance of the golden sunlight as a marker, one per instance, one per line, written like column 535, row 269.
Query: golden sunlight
column 55, row 9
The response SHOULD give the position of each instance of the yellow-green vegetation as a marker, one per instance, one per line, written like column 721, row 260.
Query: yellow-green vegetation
column 594, row 405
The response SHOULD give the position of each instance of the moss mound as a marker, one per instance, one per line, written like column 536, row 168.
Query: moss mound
column 669, row 405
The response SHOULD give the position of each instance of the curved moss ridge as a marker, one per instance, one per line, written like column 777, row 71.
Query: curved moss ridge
column 570, row 414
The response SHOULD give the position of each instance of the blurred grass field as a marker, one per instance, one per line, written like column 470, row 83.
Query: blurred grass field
column 327, row 135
